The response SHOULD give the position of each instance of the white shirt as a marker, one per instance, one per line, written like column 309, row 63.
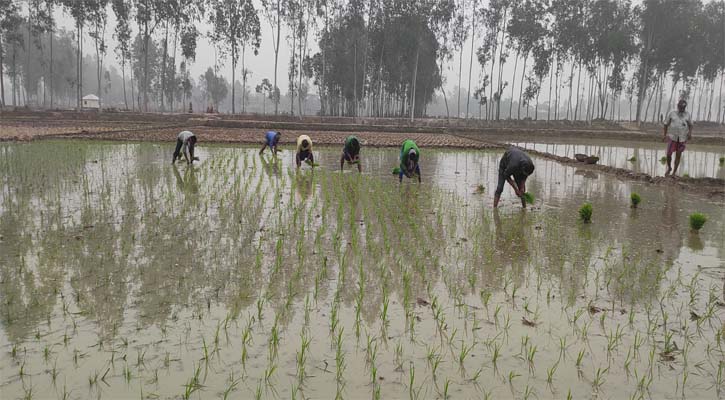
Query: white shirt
column 184, row 136
column 678, row 125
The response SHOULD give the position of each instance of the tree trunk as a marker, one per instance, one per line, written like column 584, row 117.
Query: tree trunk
column 163, row 67
column 470, row 64
column 79, row 67
column 292, row 75
column 354, row 77
column 521, row 87
column 234, row 70
column 513, row 85
column 556, row 91
column 719, row 100
column 2, row 77
column 133, row 96
column 571, row 84
column 707, row 114
column 662, row 89
column 173, row 72
column 644, row 75
column 551, row 86
column 489, row 109
column 415, row 82
column 146, row 67
column 460, row 69
column 98, row 72
column 276, row 58
column 578, row 93
column 123, row 77
column 50, row 68
column 500, row 65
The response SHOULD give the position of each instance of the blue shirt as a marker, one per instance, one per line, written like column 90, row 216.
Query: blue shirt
column 272, row 138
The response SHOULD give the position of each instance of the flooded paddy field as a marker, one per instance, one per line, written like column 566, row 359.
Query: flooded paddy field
column 698, row 160
column 122, row 276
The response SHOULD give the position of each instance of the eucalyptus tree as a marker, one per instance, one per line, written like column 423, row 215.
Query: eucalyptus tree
column 122, row 10
column 611, row 31
column 149, row 14
column 38, row 22
column 78, row 10
column 274, row 12
column 459, row 35
column 214, row 87
column 528, row 25
column 98, row 18
column 11, row 37
column 236, row 25
column 265, row 89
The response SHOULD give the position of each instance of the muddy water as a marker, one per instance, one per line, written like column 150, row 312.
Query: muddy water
column 697, row 161
column 122, row 276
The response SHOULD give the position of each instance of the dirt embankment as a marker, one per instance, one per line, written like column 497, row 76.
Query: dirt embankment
column 255, row 137
column 26, row 125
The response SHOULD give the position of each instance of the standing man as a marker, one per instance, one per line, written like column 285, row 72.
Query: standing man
column 271, row 141
column 351, row 152
column 304, row 151
column 185, row 143
column 409, row 156
column 678, row 130
column 514, row 168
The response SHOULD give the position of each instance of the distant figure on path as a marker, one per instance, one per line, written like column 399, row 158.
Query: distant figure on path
column 185, row 143
column 409, row 157
column 271, row 141
column 304, row 151
column 515, row 167
column 351, row 152
column 678, row 130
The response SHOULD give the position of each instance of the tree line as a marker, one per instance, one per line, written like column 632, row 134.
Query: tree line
column 537, row 59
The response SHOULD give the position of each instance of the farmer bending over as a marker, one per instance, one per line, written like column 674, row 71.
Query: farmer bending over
column 304, row 151
column 514, row 168
column 351, row 152
column 409, row 156
column 678, row 130
column 185, row 143
column 271, row 140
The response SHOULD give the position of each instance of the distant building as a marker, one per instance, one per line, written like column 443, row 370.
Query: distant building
column 91, row 102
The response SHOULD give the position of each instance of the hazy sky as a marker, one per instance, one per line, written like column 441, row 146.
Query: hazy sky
column 262, row 65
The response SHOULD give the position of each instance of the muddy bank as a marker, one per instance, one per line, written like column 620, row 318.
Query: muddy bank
column 255, row 137
column 518, row 130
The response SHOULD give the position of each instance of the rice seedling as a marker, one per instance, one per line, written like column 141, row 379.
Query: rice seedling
column 580, row 357
column 464, row 352
column 585, row 212
column 529, row 198
column 635, row 199
column 697, row 220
